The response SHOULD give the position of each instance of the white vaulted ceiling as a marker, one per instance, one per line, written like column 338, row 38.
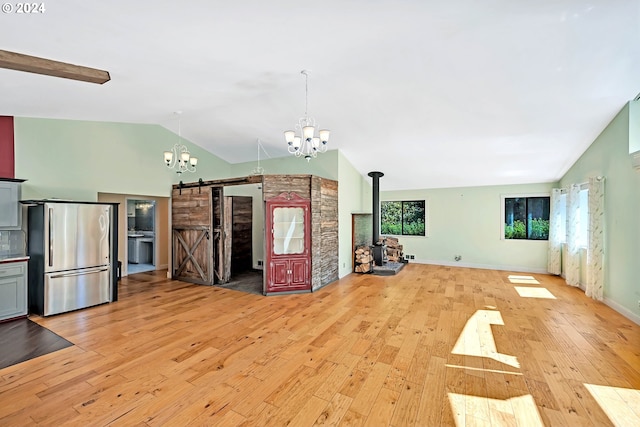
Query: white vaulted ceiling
column 433, row 93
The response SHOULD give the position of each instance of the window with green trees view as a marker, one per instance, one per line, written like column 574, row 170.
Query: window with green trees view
column 405, row 218
column 526, row 218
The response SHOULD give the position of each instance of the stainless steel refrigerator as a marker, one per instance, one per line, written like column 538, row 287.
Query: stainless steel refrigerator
column 71, row 246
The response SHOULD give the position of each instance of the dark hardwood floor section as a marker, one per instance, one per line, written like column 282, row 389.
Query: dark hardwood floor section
column 22, row 339
column 429, row 346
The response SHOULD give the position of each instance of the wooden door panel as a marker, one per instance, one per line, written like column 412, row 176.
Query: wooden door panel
column 192, row 260
column 299, row 269
column 227, row 228
column 218, row 232
column 279, row 272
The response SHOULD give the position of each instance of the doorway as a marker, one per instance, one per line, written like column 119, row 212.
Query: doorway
column 243, row 213
column 141, row 235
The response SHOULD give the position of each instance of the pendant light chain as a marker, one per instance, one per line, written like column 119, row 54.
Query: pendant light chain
column 306, row 93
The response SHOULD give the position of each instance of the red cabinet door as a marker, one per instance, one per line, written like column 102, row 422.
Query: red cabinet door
column 288, row 243
column 278, row 274
column 299, row 273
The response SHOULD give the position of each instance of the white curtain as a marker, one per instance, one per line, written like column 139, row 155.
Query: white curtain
column 572, row 262
column 595, row 249
column 554, row 259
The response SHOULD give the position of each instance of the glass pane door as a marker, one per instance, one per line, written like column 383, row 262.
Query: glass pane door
column 288, row 230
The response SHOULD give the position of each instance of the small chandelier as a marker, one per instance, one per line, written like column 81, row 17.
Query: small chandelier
column 307, row 145
column 259, row 170
column 179, row 157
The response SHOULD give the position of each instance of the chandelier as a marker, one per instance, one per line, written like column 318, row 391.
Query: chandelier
column 302, row 142
column 259, row 170
column 178, row 157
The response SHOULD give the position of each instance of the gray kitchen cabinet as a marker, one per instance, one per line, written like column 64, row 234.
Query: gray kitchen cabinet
column 13, row 290
column 132, row 250
column 10, row 216
column 140, row 249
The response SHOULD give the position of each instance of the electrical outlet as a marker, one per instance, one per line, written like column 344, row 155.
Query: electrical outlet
column 259, row 262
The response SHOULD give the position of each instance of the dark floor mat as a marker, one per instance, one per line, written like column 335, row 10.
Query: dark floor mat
column 22, row 339
column 247, row 281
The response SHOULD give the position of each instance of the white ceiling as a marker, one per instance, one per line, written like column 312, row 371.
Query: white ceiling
column 432, row 93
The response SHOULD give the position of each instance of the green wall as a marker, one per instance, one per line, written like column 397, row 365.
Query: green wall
column 76, row 160
column 634, row 126
column 467, row 222
column 609, row 156
column 354, row 196
column 325, row 165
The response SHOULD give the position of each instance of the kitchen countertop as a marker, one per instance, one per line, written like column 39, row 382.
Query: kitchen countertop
column 14, row 258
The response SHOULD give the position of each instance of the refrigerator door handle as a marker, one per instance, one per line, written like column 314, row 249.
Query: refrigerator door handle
column 80, row 273
column 50, row 237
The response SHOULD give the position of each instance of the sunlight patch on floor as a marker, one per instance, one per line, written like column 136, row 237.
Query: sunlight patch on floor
column 476, row 410
column 524, row 280
column 622, row 405
column 495, row 371
column 477, row 339
column 529, row 292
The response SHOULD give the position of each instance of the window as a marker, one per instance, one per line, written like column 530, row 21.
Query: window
column 526, row 218
column 406, row 218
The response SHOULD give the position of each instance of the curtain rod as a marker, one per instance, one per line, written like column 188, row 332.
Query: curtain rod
column 582, row 185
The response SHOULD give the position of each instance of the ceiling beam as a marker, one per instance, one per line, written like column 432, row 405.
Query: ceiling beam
column 33, row 64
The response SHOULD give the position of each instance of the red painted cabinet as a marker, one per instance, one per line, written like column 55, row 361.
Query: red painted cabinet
column 288, row 244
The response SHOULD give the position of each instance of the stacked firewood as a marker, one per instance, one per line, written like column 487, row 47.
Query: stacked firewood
column 394, row 249
column 363, row 259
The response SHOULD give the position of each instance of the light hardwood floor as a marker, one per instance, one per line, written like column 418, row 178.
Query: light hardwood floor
column 431, row 346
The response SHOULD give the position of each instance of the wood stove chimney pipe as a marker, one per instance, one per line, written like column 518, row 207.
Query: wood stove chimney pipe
column 376, row 205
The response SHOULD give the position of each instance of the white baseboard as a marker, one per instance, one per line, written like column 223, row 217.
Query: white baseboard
column 623, row 310
column 482, row 266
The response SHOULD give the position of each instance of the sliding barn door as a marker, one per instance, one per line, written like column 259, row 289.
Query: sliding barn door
column 221, row 269
column 192, row 254
column 192, row 242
